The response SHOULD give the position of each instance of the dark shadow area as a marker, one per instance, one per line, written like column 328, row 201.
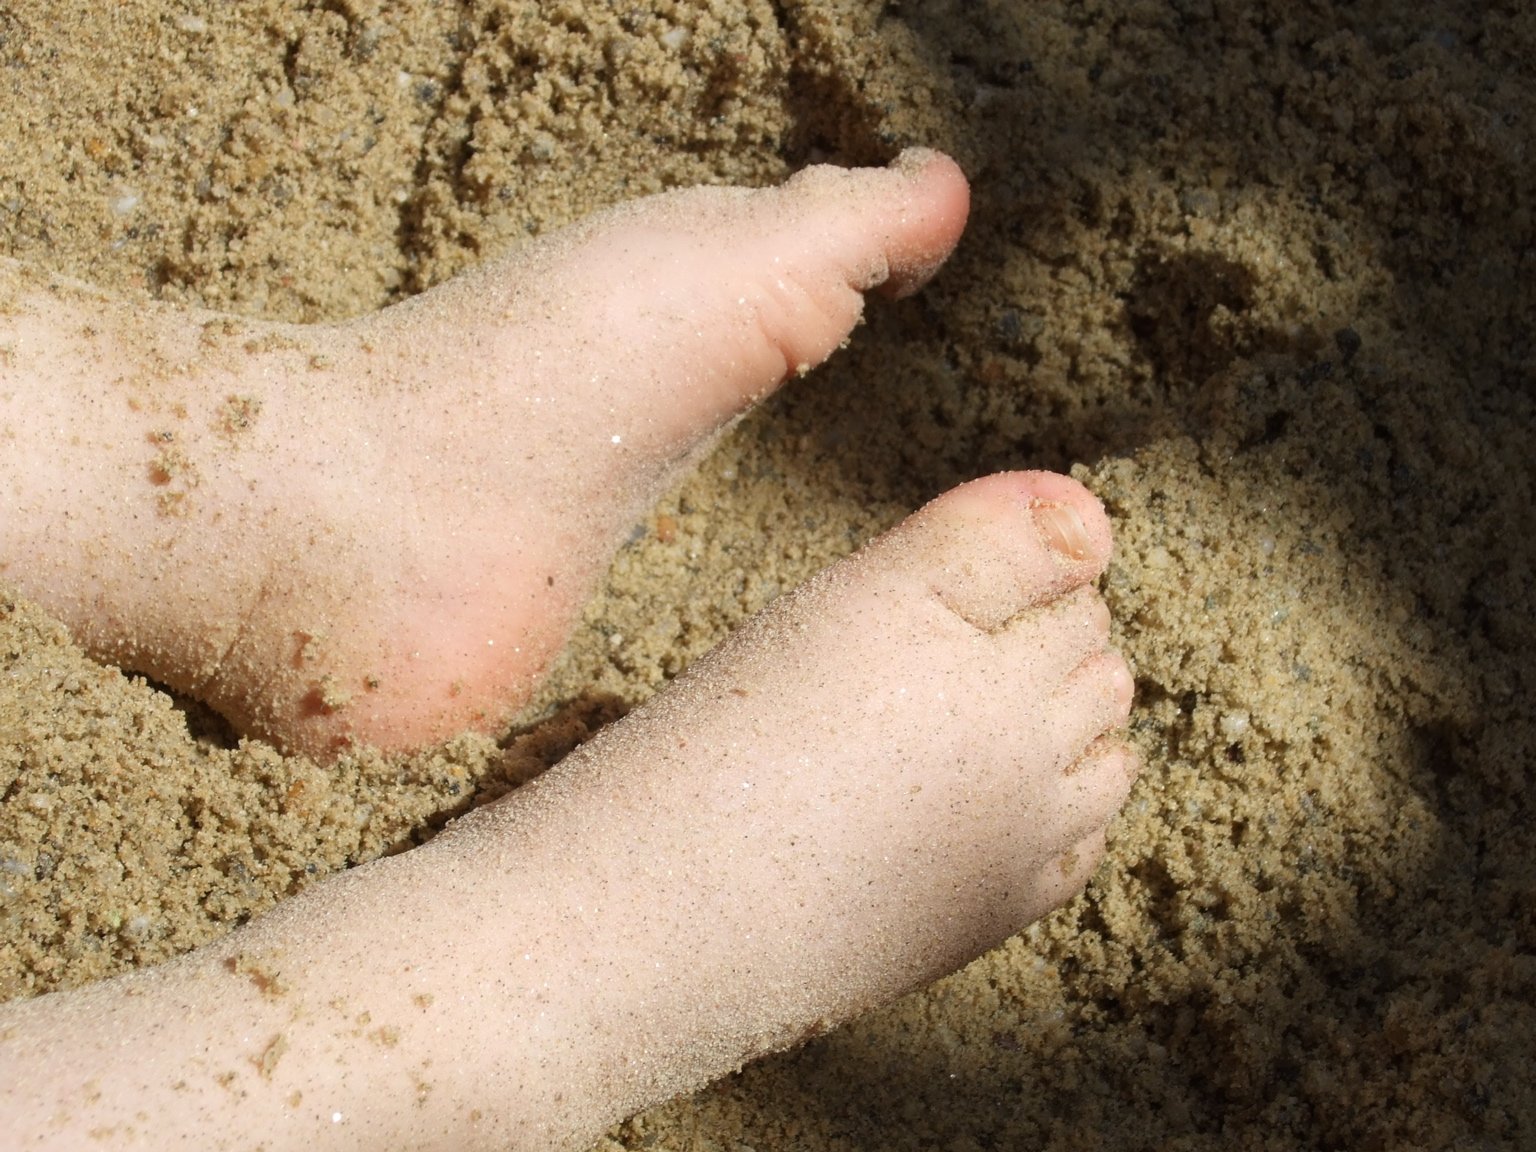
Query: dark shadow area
column 204, row 725
column 1185, row 312
column 1219, row 222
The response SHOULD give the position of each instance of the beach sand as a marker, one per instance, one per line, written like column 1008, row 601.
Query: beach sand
column 1262, row 275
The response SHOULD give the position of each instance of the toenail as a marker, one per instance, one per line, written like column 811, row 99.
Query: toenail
column 1063, row 530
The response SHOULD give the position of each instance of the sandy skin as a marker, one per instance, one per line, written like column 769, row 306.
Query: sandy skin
column 382, row 530
column 882, row 775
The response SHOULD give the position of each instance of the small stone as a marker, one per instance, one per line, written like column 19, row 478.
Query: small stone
column 1233, row 724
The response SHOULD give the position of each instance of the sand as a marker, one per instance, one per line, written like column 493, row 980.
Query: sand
column 1261, row 274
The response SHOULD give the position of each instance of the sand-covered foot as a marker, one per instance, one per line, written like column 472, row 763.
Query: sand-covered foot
column 382, row 530
column 882, row 775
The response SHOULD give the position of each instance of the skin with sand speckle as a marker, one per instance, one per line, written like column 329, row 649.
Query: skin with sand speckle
column 1257, row 271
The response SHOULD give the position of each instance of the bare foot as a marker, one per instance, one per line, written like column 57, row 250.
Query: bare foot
column 882, row 775
column 382, row 530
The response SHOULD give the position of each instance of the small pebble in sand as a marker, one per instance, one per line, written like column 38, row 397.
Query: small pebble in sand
column 123, row 200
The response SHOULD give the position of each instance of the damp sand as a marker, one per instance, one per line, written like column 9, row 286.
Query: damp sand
column 1261, row 277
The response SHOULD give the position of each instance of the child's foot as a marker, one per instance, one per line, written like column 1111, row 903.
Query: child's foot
column 882, row 775
column 382, row 530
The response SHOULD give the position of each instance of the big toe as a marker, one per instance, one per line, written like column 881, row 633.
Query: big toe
column 887, row 228
column 706, row 299
column 772, row 280
column 998, row 546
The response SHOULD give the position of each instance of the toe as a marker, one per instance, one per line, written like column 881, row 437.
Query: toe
column 1069, row 873
column 1045, row 645
column 888, row 229
column 670, row 315
column 783, row 271
column 1062, row 876
column 998, row 546
column 1094, row 698
column 1097, row 784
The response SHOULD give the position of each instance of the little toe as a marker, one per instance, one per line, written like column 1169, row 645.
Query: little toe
column 995, row 547
column 1098, row 782
column 1067, row 874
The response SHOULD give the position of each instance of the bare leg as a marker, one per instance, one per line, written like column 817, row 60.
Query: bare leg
column 882, row 775
column 382, row 530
